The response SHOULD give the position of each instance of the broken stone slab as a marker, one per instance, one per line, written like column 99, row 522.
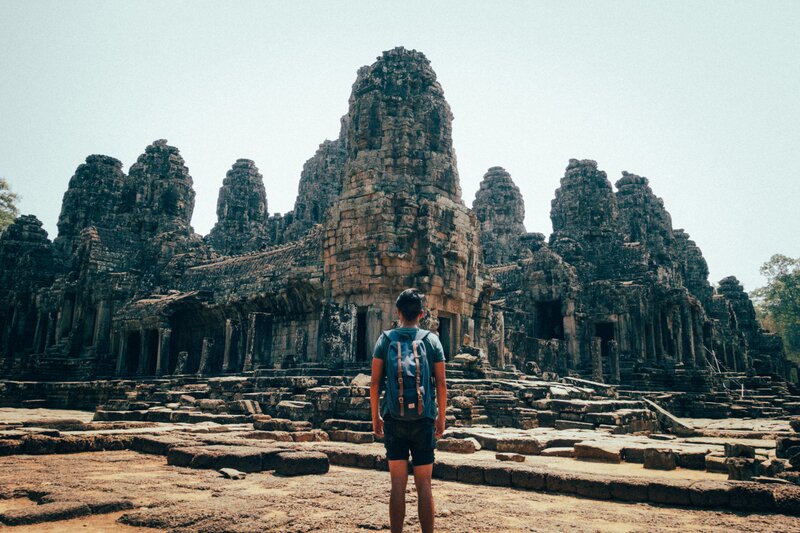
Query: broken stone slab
column 739, row 450
column 46, row 512
column 468, row 445
column 668, row 420
column 280, row 424
column 559, row 451
column 513, row 457
column 353, row 425
column 356, row 437
column 232, row 473
column 742, row 468
column 605, row 452
column 361, row 380
column 521, row 445
column 783, row 444
column 660, row 459
column 301, row 463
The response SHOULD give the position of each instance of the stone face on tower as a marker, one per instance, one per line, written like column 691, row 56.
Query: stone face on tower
column 93, row 198
column 241, row 211
column 501, row 211
column 162, row 196
column 400, row 221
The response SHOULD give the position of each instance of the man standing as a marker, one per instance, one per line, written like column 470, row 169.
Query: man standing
column 408, row 363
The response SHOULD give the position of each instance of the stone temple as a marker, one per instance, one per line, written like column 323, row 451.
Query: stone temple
column 127, row 289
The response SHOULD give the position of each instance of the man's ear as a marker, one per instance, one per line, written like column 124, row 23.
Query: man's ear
column 421, row 314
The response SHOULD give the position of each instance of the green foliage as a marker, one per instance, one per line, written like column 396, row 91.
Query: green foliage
column 8, row 205
column 778, row 303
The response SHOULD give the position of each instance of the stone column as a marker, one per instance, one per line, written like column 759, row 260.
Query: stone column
column 251, row 337
column 102, row 333
column 50, row 338
column 700, row 353
column 650, row 342
column 162, row 363
column 205, row 356
column 688, row 327
column 571, row 336
column 613, row 353
column 597, row 359
column 123, row 346
column 658, row 338
column 180, row 364
column 226, row 353
column 677, row 334
column 37, row 336
column 143, row 351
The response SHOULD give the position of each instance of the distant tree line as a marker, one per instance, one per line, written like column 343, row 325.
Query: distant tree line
column 8, row 205
column 778, row 303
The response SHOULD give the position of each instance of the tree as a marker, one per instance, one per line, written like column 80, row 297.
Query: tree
column 8, row 205
column 778, row 303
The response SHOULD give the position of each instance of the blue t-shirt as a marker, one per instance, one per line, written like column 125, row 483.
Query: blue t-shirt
column 433, row 346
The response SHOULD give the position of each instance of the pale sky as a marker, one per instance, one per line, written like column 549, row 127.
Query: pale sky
column 700, row 97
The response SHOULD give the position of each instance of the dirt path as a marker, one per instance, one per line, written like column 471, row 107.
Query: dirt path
column 183, row 500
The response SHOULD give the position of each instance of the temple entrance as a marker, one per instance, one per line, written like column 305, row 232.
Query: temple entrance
column 152, row 352
column 133, row 348
column 549, row 323
column 262, row 340
column 361, row 335
column 604, row 330
column 446, row 334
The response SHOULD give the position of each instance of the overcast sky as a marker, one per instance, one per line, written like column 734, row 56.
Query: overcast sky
column 700, row 97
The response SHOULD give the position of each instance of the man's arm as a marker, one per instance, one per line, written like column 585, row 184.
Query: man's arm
column 374, row 395
column 441, row 396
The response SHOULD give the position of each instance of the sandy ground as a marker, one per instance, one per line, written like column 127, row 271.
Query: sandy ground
column 183, row 500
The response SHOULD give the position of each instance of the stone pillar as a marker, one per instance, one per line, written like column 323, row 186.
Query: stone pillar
column 102, row 333
column 181, row 363
column 597, row 359
column 143, row 351
column 658, row 338
column 688, row 328
column 650, row 342
column 251, row 345
column 65, row 317
column 37, row 336
column 123, row 346
column 226, row 353
column 50, row 337
column 571, row 336
column 677, row 334
column 162, row 363
column 205, row 356
column 613, row 353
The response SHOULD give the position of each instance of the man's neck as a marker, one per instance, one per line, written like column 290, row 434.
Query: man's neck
column 409, row 324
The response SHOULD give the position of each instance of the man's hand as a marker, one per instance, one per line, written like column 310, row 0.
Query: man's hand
column 377, row 426
column 439, row 427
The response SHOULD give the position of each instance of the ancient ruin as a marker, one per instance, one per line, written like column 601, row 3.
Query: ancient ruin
column 579, row 345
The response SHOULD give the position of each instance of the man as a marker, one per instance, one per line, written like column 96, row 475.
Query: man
column 411, row 416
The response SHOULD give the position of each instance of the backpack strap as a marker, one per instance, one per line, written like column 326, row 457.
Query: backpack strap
column 414, row 344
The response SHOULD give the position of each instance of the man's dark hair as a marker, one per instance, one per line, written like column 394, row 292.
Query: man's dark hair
column 409, row 303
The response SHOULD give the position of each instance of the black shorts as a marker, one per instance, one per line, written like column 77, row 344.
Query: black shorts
column 403, row 436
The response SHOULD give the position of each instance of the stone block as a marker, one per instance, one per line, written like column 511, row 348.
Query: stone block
column 301, row 463
column 523, row 445
column 739, row 450
column 513, row 457
column 742, row 468
column 46, row 512
column 598, row 451
column 710, row 494
column 468, row 445
column 498, row 476
column 782, row 445
column 445, row 470
column 628, row 490
column 660, row 459
column 471, row 473
column 751, row 496
column 526, row 478
column 669, row 492
column 595, row 487
column 562, row 482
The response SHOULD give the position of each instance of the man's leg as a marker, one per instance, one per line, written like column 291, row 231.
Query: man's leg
column 398, row 471
column 425, row 507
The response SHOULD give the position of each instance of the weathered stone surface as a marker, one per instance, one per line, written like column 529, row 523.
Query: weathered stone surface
column 241, row 211
column 660, row 459
column 301, row 463
column 468, row 445
column 500, row 209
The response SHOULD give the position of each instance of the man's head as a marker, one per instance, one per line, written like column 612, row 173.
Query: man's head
column 409, row 305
